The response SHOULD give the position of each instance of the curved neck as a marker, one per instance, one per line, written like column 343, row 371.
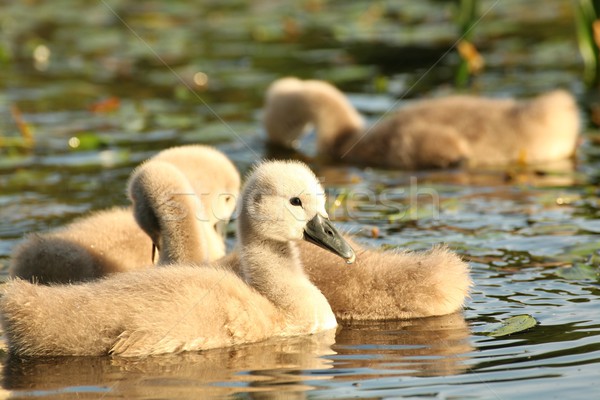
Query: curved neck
column 273, row 268
column 169, row 211
column 180, row 238
column 337, row 122
column 293, row 104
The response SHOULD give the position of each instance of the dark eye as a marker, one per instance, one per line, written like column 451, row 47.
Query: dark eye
column 295, row 201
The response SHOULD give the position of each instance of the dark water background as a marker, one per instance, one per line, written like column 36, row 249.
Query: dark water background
column 121, row 77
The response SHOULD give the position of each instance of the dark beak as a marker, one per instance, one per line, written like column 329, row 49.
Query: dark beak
column 221, row 228
column 155, row 250
column 321, row 232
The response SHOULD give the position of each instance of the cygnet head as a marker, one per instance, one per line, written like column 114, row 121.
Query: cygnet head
column 283, row 201
column 287, row 111
column 213, row 177
column 293, row 105
column 167, row 209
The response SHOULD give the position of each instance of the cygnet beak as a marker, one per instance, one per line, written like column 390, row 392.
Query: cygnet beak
column 221, row 228
column 321, row 232
column 155, row 250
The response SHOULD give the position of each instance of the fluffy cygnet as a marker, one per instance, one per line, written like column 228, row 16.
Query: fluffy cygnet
column 111, row 241
column 433, row 133
column 182, row 307
column 383, row 285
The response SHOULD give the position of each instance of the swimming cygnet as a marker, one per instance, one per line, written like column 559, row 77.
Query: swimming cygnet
column 184, row 307
column 433, row 133
column 383, row 285
column 111, row 241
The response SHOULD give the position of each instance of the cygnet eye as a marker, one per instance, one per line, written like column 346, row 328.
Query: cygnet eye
column 295, row 201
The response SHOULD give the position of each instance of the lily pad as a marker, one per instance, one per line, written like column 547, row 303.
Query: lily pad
column 515, row 324
column 579, row 271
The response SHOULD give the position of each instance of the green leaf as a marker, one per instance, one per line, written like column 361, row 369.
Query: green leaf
column 585, row 15
column 517, row 323
column 86, row 141
column 467, row 17
column 579, row 271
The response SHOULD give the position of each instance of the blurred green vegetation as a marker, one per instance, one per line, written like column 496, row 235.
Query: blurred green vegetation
column 588, row 36
column 75, row 53
column 467, row 16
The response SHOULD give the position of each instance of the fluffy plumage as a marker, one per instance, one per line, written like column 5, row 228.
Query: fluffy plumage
column 102, row 243
column 385, row 285
column 166, row 207
column 437, row 133
column 111, row 241
column 382, row 285
column 183, row 307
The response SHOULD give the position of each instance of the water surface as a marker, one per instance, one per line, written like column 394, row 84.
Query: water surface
column 121, row 77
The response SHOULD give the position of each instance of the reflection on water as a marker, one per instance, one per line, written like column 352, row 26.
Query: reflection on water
column 434, row 346
column 189, row 375
column 294, row 367
column 530, row 234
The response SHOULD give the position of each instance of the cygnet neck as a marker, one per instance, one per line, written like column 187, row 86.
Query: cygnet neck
column 167, row 209
column 337, row 122
column 181, row 239
column 272, row 267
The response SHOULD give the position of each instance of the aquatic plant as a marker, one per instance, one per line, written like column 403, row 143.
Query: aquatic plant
column 471, row 62
column 587, row 26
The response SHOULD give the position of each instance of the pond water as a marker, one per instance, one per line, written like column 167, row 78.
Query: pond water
column 103, row 85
